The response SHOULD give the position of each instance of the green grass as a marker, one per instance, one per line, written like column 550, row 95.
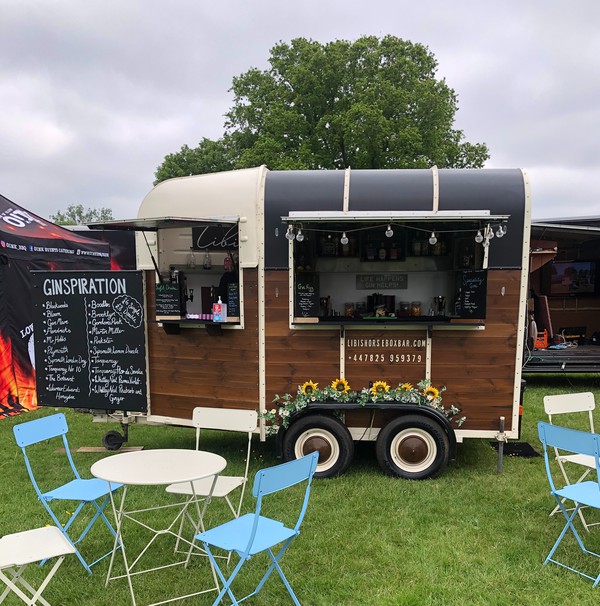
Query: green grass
column 470, row 537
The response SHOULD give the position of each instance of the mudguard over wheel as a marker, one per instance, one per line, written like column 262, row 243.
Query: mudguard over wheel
column 412, row 447
column 325, row 434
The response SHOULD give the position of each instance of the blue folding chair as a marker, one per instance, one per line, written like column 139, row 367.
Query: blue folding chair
column 582, row 493
column 253, row 533
column 80, row 490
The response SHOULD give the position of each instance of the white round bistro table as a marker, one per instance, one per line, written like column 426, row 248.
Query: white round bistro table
column 156, row 468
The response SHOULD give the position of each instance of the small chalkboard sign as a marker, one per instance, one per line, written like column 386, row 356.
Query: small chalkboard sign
column 89, row 337
column 306, row 299
column 473, row 294
column 233, row 299
column 168, row 301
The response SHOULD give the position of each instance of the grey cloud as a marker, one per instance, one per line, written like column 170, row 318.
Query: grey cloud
column 95, row 94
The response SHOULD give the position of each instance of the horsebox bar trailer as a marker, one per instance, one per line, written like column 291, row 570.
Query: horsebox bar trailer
column 367, row 276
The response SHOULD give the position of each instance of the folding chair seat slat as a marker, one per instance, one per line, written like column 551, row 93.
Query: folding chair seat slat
column 584, row 493
column 224, row 485
column 19, row 549
column 87, row 492
column 235, row 535
column 80, row 490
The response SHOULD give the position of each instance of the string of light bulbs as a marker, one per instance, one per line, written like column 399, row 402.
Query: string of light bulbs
column 481, row 238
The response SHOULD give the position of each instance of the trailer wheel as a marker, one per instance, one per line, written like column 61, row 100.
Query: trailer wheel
column 325, row 434
column 112, row 440
column 412, row 447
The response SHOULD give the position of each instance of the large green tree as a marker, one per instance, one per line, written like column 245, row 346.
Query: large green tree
column 372, row 103
column 208, row 157
column 76, row 214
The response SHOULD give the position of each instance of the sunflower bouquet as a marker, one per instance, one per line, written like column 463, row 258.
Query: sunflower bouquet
column 423, row 394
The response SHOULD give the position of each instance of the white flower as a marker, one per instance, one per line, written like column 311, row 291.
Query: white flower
column 273, row 411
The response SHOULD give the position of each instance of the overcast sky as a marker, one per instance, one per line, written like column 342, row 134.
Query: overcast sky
column 95, row 93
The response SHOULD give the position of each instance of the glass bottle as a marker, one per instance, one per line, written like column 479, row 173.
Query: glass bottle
column 382, row 254
column 191, row 260
column 207, row 263
column 370, row 251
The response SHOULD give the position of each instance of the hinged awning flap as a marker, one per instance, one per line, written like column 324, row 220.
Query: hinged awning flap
column 155, row 223
column 483, row 215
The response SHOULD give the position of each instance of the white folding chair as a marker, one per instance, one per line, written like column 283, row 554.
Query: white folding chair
column 224, row 420
column 572, row 403
column 22, row 548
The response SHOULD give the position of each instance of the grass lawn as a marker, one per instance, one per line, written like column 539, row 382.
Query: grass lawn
column 470, row 537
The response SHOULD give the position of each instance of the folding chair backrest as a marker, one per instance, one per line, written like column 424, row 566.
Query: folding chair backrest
column 285, row 475
column 570, row 403
column 224, row 419
column 569, row 440
column 40, row 430
column 273, row 479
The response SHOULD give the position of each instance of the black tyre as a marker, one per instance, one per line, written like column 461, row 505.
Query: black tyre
column 112, row 440
column 325, row 434
column 412, row 447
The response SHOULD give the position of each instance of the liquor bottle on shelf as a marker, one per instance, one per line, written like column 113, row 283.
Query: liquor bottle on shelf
column 370, row 251
column 458, row 303
column 382, row 253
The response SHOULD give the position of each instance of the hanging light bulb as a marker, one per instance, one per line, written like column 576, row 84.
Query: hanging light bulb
column 489, row 232
column 300, row 235
column 500, row 231
column 479, row 237
column 290, row 233
column 344, row 239
column 432, row 238
column 389, row 232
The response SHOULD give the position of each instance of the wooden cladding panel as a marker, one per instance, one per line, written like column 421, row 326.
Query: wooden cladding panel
column 295, row 356
column 178, row 407
column 478, row 367
column 194, row 368
column 391, row 356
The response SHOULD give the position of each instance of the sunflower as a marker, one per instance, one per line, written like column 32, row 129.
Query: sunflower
column 340, row 385
column 406, row 386
column 308, row 388
column 379, row 388
column 431, row 393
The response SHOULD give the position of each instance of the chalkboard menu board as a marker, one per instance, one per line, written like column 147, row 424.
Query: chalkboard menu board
column 306, row 299
column 168, row 301
column 89, row 335
column 233, row 299
column 473, row 294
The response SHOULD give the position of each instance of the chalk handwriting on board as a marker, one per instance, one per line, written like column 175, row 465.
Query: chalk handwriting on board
column 129, row 309
column 90, row 339
column 473, row 299
column 307, row 296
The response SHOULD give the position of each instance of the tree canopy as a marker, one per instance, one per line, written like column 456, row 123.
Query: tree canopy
column 76, row 214
column 372, row 103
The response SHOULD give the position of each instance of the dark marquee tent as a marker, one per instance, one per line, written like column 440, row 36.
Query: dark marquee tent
column 28, row 243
